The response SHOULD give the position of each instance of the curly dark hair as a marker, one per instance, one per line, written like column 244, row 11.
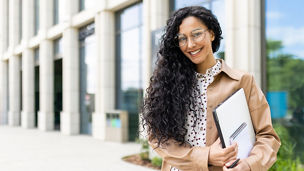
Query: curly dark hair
column 170, row 96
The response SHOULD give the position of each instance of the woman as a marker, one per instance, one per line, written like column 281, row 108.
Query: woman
column 186, row 86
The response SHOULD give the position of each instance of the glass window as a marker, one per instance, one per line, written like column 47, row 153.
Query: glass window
column 86, row 4
column 218, row 9
column 20, row 20
column 130, row 62
column 285, row 73
column 36, row 16
column 88, row 76
column 58, row 48
column 58, row 11
column 36, row 56
column 7, row 24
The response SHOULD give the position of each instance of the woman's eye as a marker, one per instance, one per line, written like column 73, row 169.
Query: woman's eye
column 197, row 34
column 181, row 39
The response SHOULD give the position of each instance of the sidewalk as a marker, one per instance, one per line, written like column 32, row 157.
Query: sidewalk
column 33, row 150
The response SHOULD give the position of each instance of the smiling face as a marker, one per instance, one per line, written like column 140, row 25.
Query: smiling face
column 197, row 40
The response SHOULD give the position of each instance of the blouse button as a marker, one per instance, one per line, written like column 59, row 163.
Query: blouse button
column 201, row 128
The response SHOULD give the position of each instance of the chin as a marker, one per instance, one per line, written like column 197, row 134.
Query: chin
column 197, row 60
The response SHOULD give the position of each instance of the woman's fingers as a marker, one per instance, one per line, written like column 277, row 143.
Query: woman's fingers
column 231, row 152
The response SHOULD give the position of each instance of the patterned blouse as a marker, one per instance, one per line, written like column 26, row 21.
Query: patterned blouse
column 196, row 125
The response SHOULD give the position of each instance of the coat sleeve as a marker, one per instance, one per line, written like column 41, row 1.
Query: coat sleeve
column 183, row 157
column 264, row 152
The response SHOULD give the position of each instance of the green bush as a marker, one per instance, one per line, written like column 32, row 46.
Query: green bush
column 157, row 161
column 286, row 160
column 144, row 151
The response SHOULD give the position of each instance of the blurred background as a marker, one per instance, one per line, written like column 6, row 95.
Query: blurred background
column 80, row 66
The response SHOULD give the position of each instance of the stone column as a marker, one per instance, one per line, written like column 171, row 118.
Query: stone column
column 70, row 116
column 243, row 41
column 14, row 91
column 70, row 123
column 3, row 64
column 14, row 65
column 3, row 93
column 105, row 89
column 28, row 82
column 28, row 77
column 46, row 61
column 46, row 113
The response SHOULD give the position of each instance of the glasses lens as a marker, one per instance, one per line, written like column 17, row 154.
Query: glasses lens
column 182, row 40
column 198, row 36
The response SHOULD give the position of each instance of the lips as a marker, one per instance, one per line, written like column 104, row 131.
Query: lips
column 193, row 53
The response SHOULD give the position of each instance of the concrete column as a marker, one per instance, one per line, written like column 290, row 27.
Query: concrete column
column 70, row 116
column 46, row 81
column 46, row 60
column 3, row 64
column 13, row 23
column 28, row 77
column 14, row 91
column 28, row 20
column 14, row 65
column 28, row 89
column 3, row 92
column 70, row 123
column 71, row 8
column 105, row 90
column 46, row 16
column 243, row 42
column 159, row 13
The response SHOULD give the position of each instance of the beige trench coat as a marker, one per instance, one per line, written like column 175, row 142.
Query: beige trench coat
column 267, row 144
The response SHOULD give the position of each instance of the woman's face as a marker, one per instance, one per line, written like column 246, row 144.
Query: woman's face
column 195, row 40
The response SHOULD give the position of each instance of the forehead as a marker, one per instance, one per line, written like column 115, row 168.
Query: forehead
column 189, row 24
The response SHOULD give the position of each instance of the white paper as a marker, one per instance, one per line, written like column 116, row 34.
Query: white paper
column 243, row 142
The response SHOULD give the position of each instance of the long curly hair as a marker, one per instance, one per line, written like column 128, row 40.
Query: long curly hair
column 169, row 96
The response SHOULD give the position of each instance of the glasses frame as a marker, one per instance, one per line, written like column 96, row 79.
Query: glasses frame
column 192, row 37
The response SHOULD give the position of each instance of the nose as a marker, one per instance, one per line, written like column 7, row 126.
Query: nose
column 190, row 43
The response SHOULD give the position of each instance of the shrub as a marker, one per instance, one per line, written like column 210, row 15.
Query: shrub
column 157, row 161
column 286, row 159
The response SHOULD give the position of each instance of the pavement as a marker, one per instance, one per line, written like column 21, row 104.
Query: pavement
column 34, row 150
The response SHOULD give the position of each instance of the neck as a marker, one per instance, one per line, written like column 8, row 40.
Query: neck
column 204, row 66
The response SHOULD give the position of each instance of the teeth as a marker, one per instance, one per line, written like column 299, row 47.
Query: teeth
column 195, row 52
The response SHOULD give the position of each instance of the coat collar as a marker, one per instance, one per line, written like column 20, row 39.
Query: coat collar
column 232, row 73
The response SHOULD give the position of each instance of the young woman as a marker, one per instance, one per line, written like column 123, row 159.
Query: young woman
column 184, row 89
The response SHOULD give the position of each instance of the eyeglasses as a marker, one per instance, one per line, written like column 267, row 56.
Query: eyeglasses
column 196, row 36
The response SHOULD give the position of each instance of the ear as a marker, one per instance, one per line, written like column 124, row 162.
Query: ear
column 212, row 35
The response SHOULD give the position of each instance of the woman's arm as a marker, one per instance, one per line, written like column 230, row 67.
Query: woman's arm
column 185, row 157
column 267, row 144
column 182, row 157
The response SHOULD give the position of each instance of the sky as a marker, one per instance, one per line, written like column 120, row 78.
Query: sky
column 284, row 21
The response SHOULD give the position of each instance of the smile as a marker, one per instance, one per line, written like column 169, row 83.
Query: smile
column 195, row 52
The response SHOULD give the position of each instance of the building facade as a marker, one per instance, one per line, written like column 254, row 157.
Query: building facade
column 65, row 63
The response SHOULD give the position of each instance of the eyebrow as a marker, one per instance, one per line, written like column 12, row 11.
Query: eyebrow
column 180, row 34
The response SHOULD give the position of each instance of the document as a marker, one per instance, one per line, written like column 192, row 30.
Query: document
column 233, row 122
column 242, row 138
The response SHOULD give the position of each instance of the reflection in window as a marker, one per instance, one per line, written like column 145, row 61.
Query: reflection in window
column 285, row 73
column 36, row 16
column 218, row 9
column 129, row 66
column 88, row 76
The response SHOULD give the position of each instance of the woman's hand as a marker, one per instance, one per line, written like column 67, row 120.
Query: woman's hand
column 219, row 156
column 241, row 166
